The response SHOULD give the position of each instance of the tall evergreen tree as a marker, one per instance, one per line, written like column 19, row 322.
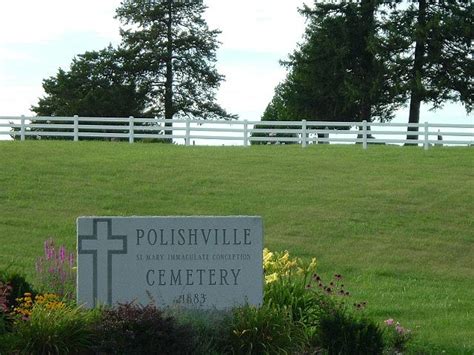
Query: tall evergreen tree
column 431, row 47
column 337, row 73
column 172, row 53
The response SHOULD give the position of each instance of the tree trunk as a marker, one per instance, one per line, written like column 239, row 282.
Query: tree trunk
column 367, row 58
column 169, row 110
column 416, row 96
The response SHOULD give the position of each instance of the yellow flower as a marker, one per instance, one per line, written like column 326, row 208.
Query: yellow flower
column 313, row 264
column 284, row 258
column 271, row 278
column 267, row 256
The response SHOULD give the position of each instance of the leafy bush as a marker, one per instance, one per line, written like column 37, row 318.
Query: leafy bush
column 397, row 336
column 17, row 282
column 133, row 329
column 293, row 285
column 210, row 327
column 287, row 281
column 54, row 330
column 5, row 320
column 8, row 343
column 264, row 330
column 55, row 270
column 340, row 332
column 288, row 285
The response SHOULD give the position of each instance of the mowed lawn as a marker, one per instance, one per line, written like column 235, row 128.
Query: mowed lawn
column 396, row 222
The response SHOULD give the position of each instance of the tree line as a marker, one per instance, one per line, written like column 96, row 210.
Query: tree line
column 357, row 61
column 363, row 61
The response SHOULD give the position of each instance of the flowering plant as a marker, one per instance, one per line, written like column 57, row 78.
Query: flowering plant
column 27, row 303
column 286, row 287
column 280, row 266
column 5, row 290
column 55, row 270
column 398, row 336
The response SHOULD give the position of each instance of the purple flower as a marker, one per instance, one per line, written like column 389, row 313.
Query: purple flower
column 55, row 268
column 389, row 322
column 62, row 253
column 49, row 249
column 400, row 330
column 71, row 259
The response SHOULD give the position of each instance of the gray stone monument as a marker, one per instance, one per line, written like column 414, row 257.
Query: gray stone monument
column 193, row 262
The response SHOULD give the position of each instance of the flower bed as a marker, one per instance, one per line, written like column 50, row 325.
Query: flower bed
column 300, row 314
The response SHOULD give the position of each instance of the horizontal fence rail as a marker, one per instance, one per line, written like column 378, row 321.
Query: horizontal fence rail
column 187, row 131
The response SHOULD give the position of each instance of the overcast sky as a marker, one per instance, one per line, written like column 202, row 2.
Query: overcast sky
column 38, row 37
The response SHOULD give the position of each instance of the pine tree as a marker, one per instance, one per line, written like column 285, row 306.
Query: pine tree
column 431, row 50
column 172, row 53
column 338, row 72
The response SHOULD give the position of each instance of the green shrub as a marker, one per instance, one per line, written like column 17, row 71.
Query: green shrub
column 304, row 305
column 397, row 336
column 19, row 285
column 210, row 327
column 287, row 285
column 340, row 332
column 264, row 330
column 134, row 329
column 55, row 330
column 9, row 343
column 5, row 319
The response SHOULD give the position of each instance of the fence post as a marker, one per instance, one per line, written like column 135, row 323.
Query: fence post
column 131, row 137
column 188, row 131
column 76, row 128
column 246, row 133
column 426, row 144
column 364, row 134
column 303, row 134
column 22, row 129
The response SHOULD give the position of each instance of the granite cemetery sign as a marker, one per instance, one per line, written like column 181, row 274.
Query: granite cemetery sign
column 199, row 262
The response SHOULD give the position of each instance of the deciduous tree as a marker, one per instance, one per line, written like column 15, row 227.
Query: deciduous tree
column 96, row 84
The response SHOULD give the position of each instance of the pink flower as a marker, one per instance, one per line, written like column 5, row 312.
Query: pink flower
column 71, row 259
column 48, row 248
column 62, row 253
column 389, row 322
column 400, row 330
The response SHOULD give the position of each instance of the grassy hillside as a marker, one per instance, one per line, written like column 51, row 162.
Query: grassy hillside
column 396, row 222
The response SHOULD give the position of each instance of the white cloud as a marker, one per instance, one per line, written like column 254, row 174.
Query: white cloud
column 33, row 21
column 17, row 99
column 260, row 26
column 248, row 88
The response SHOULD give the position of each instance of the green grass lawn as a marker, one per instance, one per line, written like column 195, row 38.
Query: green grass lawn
column 396, row 222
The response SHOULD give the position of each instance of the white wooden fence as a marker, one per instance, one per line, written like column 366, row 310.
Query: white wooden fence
column 239, row 132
